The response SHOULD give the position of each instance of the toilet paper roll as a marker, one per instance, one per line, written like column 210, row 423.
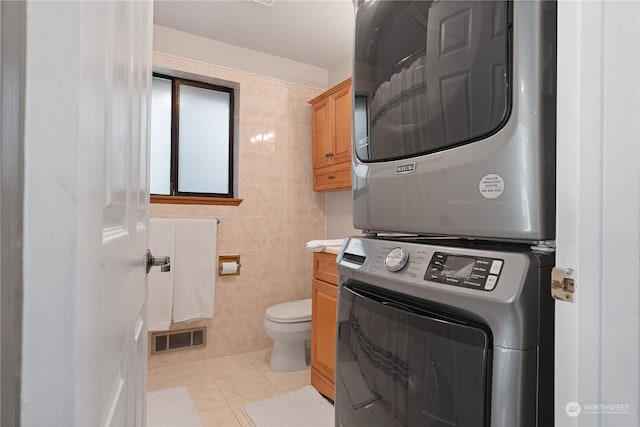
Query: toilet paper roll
column 228, row 268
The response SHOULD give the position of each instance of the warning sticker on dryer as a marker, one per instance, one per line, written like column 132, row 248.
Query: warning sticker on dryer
column 491, row 186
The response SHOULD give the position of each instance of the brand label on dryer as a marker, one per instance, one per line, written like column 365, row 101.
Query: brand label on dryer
column 491, row 186
column 408, row 168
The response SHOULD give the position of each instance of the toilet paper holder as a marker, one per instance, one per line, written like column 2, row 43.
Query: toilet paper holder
column 229, row 265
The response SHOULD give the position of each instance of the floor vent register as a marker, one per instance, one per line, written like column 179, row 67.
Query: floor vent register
column 176, row 340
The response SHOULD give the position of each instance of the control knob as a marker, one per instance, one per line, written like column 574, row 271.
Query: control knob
column 396, row 259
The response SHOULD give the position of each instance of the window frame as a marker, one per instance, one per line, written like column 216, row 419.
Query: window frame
column 184, row 197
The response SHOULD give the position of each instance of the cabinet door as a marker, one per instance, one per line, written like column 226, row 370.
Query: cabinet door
column 325, row 267
column 323, row 336
column 342, row 126
column 321, row 133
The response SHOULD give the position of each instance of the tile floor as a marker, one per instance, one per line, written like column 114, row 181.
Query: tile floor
column 220, row 386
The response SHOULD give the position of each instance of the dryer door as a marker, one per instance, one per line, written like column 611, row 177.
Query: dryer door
column 399, row 363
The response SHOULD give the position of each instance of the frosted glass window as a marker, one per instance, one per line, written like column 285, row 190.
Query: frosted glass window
column 160, row 153
column 203, row 158
column 191, row 138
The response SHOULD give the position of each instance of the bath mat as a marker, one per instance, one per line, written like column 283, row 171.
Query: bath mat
column 300, row 408
column 171, row 407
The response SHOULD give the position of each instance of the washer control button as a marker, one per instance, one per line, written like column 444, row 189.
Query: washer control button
column 452, row 280
column 438, row 256
column 396, row 259
column 434, row 277
column 472, row 284
column 483, row 262
column 491, row 282
column 496, row 266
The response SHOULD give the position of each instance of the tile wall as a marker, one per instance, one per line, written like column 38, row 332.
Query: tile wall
column 279, row 212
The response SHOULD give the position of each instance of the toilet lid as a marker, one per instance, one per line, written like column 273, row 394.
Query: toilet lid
column 290, row 312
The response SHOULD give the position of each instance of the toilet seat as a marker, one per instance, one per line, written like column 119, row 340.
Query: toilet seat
column 290, row 312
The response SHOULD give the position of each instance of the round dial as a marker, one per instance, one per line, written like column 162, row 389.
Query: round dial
column 396, row 259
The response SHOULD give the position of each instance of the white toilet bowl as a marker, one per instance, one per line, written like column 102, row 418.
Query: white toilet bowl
column 289, row 326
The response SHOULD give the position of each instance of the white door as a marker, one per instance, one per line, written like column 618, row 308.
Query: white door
column 88, row 68
column 597, row 362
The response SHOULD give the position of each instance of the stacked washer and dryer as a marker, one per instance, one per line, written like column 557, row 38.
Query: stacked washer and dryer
column 445, row 316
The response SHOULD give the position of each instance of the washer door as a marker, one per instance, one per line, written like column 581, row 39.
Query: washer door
column 399, row 363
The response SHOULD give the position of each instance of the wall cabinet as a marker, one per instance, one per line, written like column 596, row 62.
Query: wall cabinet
column 331, row 117
column 324, row 298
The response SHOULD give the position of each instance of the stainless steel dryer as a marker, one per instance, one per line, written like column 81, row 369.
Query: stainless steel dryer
column 443, row 333
column 454, row 118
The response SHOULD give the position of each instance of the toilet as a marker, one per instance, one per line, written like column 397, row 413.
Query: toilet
column 289, row 326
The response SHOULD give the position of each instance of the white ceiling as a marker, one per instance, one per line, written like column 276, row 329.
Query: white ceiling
column 315, row 32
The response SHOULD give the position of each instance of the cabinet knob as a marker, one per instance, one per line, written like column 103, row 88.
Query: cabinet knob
column 331, row 176
column 327, row 155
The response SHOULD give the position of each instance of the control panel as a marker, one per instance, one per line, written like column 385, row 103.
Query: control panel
column 423, row 264
column 396, row 259
column 466, row 271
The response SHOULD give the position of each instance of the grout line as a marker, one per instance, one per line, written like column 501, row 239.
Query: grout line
column 244, row 421
column 234, row 413
column 255, row 361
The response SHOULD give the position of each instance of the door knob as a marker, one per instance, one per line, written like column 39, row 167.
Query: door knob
column 164, row 262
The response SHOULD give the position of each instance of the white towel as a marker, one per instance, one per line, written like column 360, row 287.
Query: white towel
column 319, row 245
column 194, row 274
column 160, row 285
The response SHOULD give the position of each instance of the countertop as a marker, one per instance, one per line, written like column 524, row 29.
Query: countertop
column 332, row 249
column 330, row 246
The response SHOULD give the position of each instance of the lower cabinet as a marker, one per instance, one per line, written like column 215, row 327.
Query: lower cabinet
column 324, row 298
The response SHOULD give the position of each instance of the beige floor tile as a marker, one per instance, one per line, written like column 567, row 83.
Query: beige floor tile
column 194, row 378
column 236, row 403
column 220, row 387
column 181, row 370
column 222, row 366
column 288, row 381
column 204, row 393
column 260, row 359
column 218, row 414
column 244, row 382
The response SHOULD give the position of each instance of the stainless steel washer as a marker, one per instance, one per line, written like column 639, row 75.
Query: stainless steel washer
column 443, row 333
